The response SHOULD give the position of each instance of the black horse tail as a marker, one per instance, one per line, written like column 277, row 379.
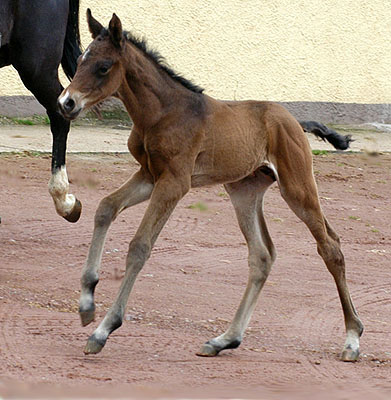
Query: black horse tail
column 340, row 142
column 72, row 44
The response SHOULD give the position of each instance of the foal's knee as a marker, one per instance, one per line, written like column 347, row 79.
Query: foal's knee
column 331, row 253
column 260, row 263
column 105, row 213
column 138, row 254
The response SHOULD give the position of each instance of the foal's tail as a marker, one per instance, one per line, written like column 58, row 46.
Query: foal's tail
column 72, row 49
column 340, row 142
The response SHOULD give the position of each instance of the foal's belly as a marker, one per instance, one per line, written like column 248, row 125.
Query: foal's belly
column 224, row 168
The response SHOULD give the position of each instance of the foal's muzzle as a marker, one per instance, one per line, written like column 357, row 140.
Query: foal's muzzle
column 68, row 107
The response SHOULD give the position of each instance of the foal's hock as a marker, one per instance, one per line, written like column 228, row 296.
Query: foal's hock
column 183, row 138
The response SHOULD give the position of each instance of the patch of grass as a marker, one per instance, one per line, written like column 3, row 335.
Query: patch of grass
column 23, row 121
column 320, row 152
column 200, row 206
column 33, row 120
column 28, row 153
column 32, row 153
column 354, row 218
column 115, row 116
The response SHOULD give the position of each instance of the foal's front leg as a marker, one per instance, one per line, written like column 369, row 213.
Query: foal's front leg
column 134, row 191
column 167, row 192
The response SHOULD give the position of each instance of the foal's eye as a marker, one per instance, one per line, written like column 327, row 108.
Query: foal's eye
column 103, row 70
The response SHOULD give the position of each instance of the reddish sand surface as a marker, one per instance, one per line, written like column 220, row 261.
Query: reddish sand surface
column 189, row 290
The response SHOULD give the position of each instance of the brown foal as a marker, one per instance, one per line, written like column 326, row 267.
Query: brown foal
column 183, row 138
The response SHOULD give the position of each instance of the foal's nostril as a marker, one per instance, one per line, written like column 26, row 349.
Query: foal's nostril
column 69, row 105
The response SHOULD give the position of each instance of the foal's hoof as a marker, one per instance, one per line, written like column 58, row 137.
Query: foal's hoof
column 210, row 350
column 93, row 345
column 207, row 350
column 350, row 355
column 87, row 317
column 74, row 215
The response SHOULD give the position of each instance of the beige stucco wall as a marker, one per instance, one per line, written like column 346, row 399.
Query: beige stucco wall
column 282, row 50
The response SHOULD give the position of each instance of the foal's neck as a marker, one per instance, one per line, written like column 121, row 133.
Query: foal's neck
column 147, row 92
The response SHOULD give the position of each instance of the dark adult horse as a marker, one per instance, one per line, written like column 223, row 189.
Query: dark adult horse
column 35, row 37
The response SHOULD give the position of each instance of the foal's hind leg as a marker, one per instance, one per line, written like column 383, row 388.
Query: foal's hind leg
column 300, row 192
column 134, row 191
column 247, row 198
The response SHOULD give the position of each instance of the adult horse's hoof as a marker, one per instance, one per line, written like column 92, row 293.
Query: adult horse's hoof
column 94, row 346
column 74, row 215
column 350, row 355
column 207, row 350
column 87, row 317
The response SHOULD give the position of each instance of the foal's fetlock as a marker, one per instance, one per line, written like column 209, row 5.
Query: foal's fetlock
column 86, row 303
column 213, row 347
column 351, row 350
column 86, row 309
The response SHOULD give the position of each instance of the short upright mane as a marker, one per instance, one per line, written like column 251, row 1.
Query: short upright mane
column 160, row 61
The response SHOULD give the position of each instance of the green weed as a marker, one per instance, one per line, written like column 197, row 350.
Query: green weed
column 320, row 152
column 200, row 206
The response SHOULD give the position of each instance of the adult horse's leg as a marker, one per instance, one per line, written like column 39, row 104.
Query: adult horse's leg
column 247, row 198
column 46, row 88
column 37, row 50
column 66, row 204
column 298, row 188
column 168, row 190
column 134, row 191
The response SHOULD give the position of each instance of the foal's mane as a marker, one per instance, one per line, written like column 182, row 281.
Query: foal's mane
column 160, row 62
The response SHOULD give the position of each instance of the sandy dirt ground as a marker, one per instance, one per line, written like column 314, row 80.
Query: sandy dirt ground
column 189, row 290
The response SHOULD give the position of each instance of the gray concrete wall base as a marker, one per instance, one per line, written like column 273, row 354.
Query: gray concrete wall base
column 326, row 112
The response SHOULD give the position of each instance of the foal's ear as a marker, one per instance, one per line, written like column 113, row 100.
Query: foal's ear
column 115, row 31
column 94, row 26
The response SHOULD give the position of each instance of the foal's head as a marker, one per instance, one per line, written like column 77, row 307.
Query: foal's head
column 100, row 71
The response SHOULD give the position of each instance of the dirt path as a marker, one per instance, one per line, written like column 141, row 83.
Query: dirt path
column 190, row 288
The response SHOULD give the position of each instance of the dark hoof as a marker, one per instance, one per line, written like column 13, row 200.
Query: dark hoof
column 87, row 317
column 74, row 215
column 93, row 345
